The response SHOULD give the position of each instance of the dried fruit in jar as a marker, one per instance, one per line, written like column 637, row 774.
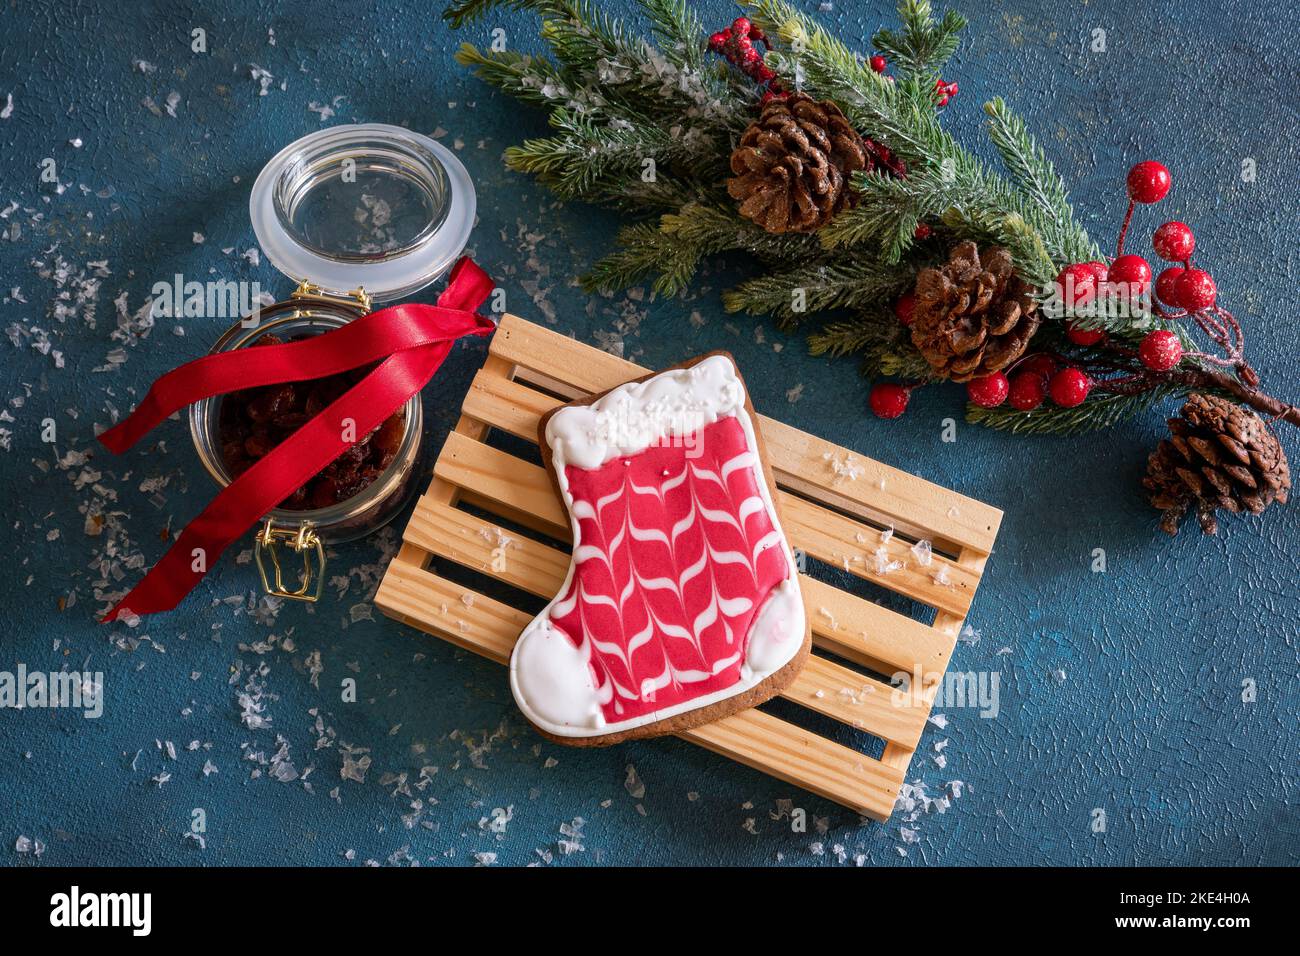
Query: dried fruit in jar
column 253, row 421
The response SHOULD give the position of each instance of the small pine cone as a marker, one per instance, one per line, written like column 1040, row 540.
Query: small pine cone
column 793, row 164
column 1218, row 455
column 974, row 316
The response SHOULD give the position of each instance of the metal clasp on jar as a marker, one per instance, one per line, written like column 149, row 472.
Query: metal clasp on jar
column 304, row 541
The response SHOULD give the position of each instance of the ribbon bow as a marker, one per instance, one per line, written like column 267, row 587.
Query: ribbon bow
column 412, row 340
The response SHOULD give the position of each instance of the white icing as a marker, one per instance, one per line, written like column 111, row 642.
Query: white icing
column 772, row 633
column 674, row 404
column 560, row 689
column 549, row 677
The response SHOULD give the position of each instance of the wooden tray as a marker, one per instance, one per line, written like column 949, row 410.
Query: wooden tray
column 834, row 518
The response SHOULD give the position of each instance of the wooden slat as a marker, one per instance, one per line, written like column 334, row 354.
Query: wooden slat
column 871, row 635
column 843, row 543
column 823, row 686
column 758, row 740
column 493, row 477
column 884, row 494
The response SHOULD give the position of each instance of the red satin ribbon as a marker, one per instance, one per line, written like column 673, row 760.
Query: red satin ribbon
column 412, row 340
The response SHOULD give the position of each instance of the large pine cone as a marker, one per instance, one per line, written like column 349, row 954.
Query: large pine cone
column 973, row 316
column 793, row 163
column 1218, row 455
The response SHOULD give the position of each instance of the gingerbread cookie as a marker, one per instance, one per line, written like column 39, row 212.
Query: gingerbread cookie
column 681, row 603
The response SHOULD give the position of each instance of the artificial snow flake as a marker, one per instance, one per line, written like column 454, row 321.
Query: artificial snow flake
column 572, row 837
column 29, row 845
column 633, row 784
column 843, row 467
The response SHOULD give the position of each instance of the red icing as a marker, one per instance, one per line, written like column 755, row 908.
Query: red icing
column 687, row 641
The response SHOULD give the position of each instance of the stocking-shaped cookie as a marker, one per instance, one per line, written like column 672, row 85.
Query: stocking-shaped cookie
column 681, row 603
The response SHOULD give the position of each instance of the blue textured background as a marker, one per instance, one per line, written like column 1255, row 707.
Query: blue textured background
column 1143, row 718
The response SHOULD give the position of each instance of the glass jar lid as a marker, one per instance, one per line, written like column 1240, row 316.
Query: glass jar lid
column 366, row 206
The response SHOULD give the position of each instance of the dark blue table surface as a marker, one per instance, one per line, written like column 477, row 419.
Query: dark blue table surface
column 1121, row 692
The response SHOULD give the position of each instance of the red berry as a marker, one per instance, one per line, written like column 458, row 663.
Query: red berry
column 1077, row 285
column 1083, row 336
column 943, row 100
column 1131, row 274
column 718, row 40
column 764, row 73
column 878, row 63
column 1026, row 392
column 1167, row 285
column 1195, row 290
column 888, row 400
column 989, row 391
column 1160, row 350
column 1100, row 270
column 904, row 307
column 922, row 231
column 1069, row 387
column 740, row 26
column 750, row 57
column 952, row 88
column 1148, row 182
column 1174, row 242
column 1041, row 366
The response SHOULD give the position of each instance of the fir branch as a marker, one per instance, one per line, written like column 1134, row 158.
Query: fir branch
column 461, row 13
column 1033, row 172
column 603, row 67
column 583, row 154
column 817, row 285
column 578, row 32
column 838, row 339
column 886, row 215
column 923, row 46
column 885, row 346
column 998, row 215
column 897, row 360
column 672, row 250
column 1099, row 411
column 645, row 251
column 679, row 29
column 715, row 226
column 530, row 79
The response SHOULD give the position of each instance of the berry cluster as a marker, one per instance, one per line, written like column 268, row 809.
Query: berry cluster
column 736, row 44
column 1181, row 292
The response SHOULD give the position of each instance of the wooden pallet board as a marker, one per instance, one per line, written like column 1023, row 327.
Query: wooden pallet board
column 827, row 516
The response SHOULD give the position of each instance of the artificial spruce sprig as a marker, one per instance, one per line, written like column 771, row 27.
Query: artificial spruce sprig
column 617, row 97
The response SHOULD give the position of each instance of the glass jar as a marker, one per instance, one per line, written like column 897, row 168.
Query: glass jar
column 354, row 215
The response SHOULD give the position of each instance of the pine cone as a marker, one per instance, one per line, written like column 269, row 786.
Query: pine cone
column 974, row 315
column 1218, row 455
column 793, row 163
